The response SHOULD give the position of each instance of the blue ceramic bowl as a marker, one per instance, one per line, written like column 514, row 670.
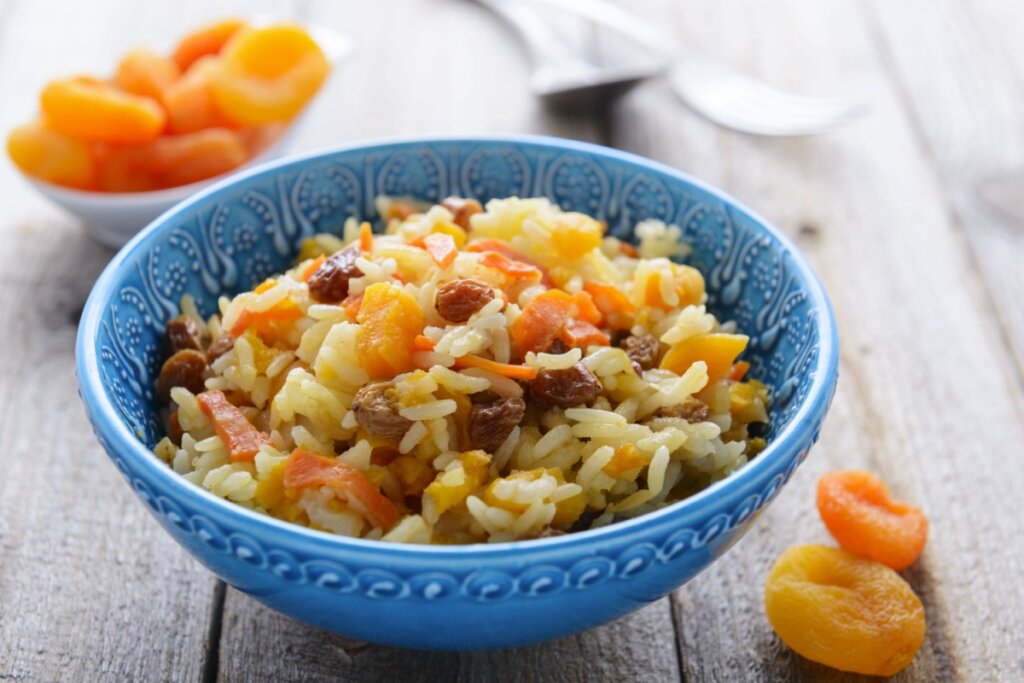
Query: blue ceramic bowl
column 234, row 234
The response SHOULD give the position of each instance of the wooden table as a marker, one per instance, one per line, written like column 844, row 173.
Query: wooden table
column 926, row 278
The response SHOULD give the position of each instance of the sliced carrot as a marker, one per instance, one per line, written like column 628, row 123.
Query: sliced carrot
column 503, row 369
column 515, row 269
column 241, row 439
column 738, row 370
column 352, row 303
column 629, row 250
column 304, row 469
column 423, row 343
column 270, row 324
column 863, row 517
column 504, row 249
column 608, row 298
column 586, row 309
column 441, row 248
column 313, row 267
column 365, row 238
column 541, row 321
column 581, row 334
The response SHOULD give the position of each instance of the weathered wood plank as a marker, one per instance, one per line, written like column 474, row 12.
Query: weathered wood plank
column 924, row 398
column 445, row 68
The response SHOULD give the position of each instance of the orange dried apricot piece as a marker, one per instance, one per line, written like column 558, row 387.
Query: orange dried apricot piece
column 98, row 112
column 844, row 611
column 45, row 154
column 268, row 74
column 189, row 102
column 171, row 161
column 208, row 40
column 144, row 72
column 390, row 319
column 717, row 350
column 864, row 518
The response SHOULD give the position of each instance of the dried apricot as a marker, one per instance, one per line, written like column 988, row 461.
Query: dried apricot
column 862, row 516
column 208, row 40
column 844, row 611
column 144, row 72
column 171, row 161
column 98, row 112
column 390, row 319
column 717, row 350
column 268, row 74
column 48, row 155
column 189, row 101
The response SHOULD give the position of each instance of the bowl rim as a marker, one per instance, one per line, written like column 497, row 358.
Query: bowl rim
column 124, row 441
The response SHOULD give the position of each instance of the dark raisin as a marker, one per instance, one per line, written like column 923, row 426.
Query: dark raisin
column 183, row 333
column 329, row 283
column 462, row 209
column 376, row 409
column 184, row 369
column 692, row 410
column 491, row 423
column 220, row 346
column 642, row 349
column 458, row 300
column 573, row 386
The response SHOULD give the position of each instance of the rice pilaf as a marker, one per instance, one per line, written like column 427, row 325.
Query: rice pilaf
column 471, row 375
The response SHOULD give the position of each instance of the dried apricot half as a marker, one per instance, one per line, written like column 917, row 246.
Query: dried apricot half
column 91, row 110
column 268, row 74
column 844, row 611
column 189, row 101
column 172, row 160
column 48, row 155
column 144, row 72
column 864, row 518
column 208, row 40
column 390, row 319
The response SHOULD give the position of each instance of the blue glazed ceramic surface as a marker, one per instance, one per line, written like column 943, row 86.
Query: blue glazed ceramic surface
column 231, row 236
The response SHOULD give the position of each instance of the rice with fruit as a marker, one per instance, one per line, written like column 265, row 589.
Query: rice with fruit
column 471, row 375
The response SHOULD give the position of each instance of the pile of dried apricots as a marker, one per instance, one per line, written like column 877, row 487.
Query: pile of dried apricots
column 226, row 92
column 848, row 608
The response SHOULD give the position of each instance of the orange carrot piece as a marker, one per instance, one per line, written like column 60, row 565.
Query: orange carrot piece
column 629, row 250
column 423, row 343
column 504, row 369
column 269, row 323
column 608, row 298
column 541, row 321
column 441, row 248
column 738, row 370
column 241, row 439
column 352, row 303
column 313, row 267
column 515, row 269
column 581, row 334
column 504, row 249
column 304, row 469
column 586, row 309
column 863, row 517
column 365, row 238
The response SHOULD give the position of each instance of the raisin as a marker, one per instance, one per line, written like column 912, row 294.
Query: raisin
column 642, row 349
column 220, row 346
column 491, row 423
column 458, row 300
column 376, row 409
column 692, row 410
column 462, row 209
column 329, row 283
column 184, row 369
column 573, row 386
column 844, row 611
column 183, row 333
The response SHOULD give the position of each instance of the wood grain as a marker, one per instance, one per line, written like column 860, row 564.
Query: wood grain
column 918, row 402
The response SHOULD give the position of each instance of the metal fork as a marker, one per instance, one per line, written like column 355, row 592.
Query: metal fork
column 713, row 90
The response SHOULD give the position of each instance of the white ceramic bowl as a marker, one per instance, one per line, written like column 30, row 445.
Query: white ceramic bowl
column 113, row 218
